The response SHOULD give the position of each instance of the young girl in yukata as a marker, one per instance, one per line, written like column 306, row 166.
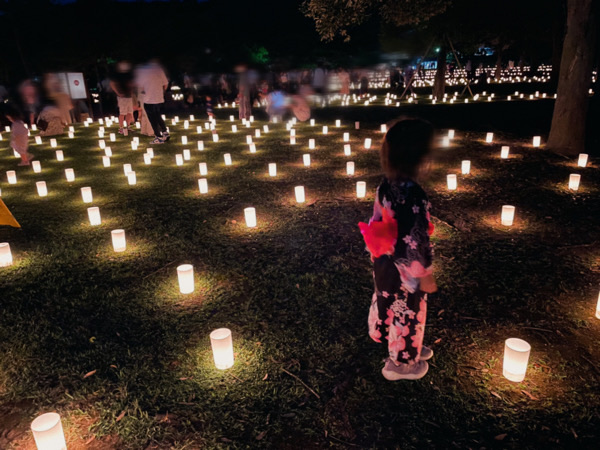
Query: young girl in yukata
column 397, row 237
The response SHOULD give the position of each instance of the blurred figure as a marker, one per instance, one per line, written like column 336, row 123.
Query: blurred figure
column 30, row 98
column 364, row 83
column 209, row 107
column 121, row 84
column 395, row 79
column 56, row 94
column 276, row 102
column 344, row 78
column 152, row 83
column 245, row 107
column 145, row 127
column 319, row 81
column 19, row 138
column 50, row 121
column 409, row 78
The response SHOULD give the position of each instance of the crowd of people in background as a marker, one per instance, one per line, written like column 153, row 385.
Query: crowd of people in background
column 145, row 92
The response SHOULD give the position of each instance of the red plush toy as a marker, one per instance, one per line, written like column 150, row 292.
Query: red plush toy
column 381, row 236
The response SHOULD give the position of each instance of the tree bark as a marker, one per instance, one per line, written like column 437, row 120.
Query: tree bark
column 439, row 83
column 567, row 133
column 558, row 36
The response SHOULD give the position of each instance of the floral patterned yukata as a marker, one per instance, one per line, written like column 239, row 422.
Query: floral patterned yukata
column 399, row 307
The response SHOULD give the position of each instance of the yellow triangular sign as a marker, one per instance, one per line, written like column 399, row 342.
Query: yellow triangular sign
column 6, row 218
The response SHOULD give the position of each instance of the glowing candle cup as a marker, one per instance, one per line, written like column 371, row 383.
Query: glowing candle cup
column 537, row 140
column 361, row 189
column 350, row 168
column 94, row 215
column 582, row 160
column 11, row 176
column 86, row 194
column 451, row 180
column 36, row 166
column 48, row 432
column 222, row 348
column 185, row 275
column 508, row 215
column 203, row 186
column 306, row 160
column 465, row 167
column 250, row 216
column 272, row 169
column 574, row 180
column 118, row 240
column 227, row 159
column 203, row 168
column 299, row 191
column 131, row 178
column 368, row 143
column 60, row 155
column 42, row 190
column 516, row 358
column 6, row 258
column 489, row 138
column 70, row 175
column 504, row 152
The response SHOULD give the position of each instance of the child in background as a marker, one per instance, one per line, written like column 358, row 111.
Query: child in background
column 19, row 137
column 398, row 239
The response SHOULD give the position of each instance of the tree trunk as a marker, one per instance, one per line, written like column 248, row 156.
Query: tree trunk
column 567, row 133
column 558, row 36
column 439, row 83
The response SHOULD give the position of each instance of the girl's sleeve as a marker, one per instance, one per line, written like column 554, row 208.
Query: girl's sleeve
column 414, row 233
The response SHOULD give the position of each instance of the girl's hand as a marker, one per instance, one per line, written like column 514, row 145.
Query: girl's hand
column 427, row 284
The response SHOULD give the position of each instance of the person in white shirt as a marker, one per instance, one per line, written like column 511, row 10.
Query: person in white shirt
column 152, row 82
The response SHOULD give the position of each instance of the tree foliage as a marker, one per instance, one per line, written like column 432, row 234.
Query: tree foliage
column 336, row 17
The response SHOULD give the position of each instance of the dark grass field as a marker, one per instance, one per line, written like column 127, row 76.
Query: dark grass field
column 106, row 339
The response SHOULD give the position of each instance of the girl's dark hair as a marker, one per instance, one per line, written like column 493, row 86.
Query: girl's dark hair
column 405, row 145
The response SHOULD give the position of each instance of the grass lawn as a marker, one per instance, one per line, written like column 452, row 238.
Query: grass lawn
column 107, row 340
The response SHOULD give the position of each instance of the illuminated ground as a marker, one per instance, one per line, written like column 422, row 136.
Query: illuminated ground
column 107, row 340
